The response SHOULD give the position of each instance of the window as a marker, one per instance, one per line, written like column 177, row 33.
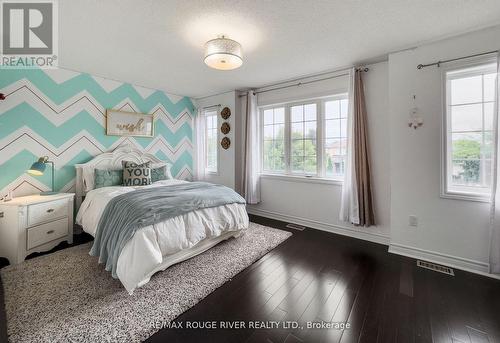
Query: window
column 211, row 141
column 305, row 139
column 470, row 102
column 274, row 139
column 304, row 122
column 335, row 137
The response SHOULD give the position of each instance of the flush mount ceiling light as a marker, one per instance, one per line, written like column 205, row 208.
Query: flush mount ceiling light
column 223, row 54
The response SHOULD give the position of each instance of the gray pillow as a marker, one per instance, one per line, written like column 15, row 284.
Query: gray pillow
column 159, row 173
column 136, row 174
column 106, row 178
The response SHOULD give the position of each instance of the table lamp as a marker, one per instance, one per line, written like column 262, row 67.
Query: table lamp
column 38, row 168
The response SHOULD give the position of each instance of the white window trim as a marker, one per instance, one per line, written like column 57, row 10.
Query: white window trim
column 445, row 193
column 287, row 174
column 207, row 170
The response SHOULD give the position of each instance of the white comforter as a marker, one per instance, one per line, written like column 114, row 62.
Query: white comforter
column 153, row 244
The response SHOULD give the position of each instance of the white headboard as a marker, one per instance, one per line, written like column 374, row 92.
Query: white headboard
column 110, row 160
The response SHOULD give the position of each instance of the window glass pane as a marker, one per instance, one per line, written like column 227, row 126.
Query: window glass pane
column 332, row 109
column 330, row 128
column 268, row 132
column 489, row 87
column 343, row 146
column 343, row 108
column 310, row 129
column 279, row 162
column 209, row 122
column 211, row 140
column 279, row 130
column 333, row 146
column 335, row 165
column 297, row 164
column 279, row 115
column 297, row 130
column 488, row 115
column 310, row 112
column 466, row 117
column 466, row 145
column 268, row 153
column 279, row 148
column 487, row 147
column 297, row 147
column 297, row 113
column 268, row 117
column 310, row 164
column 309, row 147
column 343, row 127
column 466, row 90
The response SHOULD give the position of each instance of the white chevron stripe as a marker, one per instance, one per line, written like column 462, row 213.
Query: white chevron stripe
column 69, row 187
column 172, row 153
column 107, row 84
column 145, row 92
column 26, row 185
column 60, row 75
column 184, row 174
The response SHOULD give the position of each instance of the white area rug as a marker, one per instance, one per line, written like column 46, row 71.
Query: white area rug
column 67, row 296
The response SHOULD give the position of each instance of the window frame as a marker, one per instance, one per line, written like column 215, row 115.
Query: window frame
column 287, row 174
column 483, row 64
column 205, row 115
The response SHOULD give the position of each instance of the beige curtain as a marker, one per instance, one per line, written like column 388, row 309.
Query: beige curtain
column 362, row 154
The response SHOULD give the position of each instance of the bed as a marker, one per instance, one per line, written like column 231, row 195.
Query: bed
column 155, row 247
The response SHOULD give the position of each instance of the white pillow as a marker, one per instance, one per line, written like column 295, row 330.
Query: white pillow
column 88, row 178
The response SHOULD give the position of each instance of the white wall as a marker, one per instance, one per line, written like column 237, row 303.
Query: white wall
column 450, row 231
column 226, row 164
column 317, row 204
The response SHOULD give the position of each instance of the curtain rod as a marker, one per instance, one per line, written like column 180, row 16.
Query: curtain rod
column 305, row 82
column 217, row 105
column 438, row 63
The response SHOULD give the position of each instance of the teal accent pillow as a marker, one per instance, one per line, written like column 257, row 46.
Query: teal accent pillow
column 106, row 178
column 159, row 173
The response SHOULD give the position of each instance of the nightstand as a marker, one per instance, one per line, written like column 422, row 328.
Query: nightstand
column 35, row 223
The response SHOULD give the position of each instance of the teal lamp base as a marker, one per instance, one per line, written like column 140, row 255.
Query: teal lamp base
column 48, row 193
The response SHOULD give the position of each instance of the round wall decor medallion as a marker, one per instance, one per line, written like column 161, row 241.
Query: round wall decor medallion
column 225, row 143
column 225, row 128
column 225, row 113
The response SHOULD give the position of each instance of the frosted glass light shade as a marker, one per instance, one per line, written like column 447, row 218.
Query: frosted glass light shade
column 223, row 54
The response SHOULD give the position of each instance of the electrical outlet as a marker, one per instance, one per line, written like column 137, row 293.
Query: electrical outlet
column 413, row 220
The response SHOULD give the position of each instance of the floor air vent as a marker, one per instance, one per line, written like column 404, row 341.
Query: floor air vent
column 295, row 226
column 435, row 267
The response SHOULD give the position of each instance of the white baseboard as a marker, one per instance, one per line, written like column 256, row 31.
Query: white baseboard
column 341, row 230
column 476, row 267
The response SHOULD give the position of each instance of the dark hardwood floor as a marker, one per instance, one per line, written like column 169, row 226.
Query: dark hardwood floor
column 320, row 277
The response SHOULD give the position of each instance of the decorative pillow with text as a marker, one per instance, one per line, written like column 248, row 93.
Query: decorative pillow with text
column 136, row 174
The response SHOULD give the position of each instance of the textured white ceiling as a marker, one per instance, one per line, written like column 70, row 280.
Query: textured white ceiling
column 159, row 44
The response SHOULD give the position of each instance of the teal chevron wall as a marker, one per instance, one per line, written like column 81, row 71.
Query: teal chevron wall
column 61, row 114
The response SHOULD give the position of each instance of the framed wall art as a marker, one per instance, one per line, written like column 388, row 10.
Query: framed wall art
column 119, row 123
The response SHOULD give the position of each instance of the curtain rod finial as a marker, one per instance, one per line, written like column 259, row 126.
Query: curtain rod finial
column 420, row 66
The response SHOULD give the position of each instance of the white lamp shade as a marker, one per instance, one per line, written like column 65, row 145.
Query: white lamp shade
column 223, row 54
